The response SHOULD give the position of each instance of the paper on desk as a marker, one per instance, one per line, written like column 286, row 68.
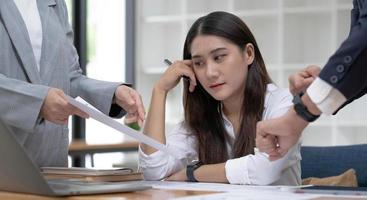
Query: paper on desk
column 99, row 116
column 269, row 195
column 232, row 192
column 252, row 195
column 241, row 192
column 220, row 187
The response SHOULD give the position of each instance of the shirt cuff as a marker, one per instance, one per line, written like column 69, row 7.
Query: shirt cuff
column 325, row 97
column 237, row 171
column 151, row 160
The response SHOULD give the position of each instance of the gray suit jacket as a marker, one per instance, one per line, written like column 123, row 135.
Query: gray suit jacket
column 23, row 88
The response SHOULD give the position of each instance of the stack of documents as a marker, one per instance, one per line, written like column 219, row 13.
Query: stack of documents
column 91, row 175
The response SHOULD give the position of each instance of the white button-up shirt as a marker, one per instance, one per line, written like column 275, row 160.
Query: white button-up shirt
column 250, row 169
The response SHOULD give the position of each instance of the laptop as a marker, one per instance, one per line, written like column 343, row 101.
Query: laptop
column 18, row 173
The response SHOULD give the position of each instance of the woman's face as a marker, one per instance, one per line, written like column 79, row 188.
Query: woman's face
column 221, row 66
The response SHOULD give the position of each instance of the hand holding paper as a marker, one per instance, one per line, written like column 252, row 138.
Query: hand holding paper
column 56, row 109
column 130, row 100
column 97, row 115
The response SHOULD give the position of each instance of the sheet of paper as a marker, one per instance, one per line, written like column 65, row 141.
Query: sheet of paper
column 233, row 192
column 250, row 192
column 252, row 195
column 99, row 116
column 220, row 187
column 269, row 195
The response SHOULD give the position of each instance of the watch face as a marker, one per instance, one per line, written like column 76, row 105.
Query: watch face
column 194, row 162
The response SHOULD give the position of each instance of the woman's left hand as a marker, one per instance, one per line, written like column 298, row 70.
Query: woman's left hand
column 178, row 176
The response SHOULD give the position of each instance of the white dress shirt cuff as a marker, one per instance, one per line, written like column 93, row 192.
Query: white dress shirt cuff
column 152, row 160
column 326, row 98
column 236, row 171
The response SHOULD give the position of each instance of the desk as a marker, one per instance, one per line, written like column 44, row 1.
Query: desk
column 139, row 195
column 81, row 148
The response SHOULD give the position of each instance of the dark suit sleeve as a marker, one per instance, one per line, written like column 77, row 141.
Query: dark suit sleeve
column 347, row 68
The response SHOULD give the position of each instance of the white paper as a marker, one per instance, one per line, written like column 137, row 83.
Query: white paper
column 99, row 116
column 233, row 192
column 268, row 195
column 252, row 195
column 237, row 192
column 220, row 187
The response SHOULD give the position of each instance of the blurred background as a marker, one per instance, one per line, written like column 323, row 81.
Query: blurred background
column 127, row 40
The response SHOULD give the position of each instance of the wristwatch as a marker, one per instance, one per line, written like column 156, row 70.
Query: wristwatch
column 190, row 170
column 302, row 110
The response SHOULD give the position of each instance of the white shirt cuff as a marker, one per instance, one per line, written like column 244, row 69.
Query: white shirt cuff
column 326, row 98
column 236, row 171
column 152, row 160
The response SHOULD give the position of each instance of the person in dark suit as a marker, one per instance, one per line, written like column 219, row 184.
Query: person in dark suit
column 341, row 81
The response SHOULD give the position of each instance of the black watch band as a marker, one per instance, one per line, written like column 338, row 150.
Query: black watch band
column 190, row 170
column 302, row 110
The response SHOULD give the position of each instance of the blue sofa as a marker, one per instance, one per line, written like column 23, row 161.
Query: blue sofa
column 334, row 160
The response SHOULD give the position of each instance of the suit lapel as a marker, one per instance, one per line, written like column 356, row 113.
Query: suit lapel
column 49, row 38
column 18, row 34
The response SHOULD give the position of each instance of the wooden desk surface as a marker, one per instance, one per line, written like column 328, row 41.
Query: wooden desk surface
column 151, row 194
column 81, row 147
column 139, row 195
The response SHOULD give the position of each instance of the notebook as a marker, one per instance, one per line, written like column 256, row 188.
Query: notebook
column 19, row 174
column 91, row 174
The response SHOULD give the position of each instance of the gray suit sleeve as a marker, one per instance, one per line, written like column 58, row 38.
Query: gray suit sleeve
column 21, row 102
column 99, row 93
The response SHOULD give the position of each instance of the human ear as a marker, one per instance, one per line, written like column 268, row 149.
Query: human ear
column 249, row 53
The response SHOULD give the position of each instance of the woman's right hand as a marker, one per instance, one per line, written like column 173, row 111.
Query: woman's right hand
column 174, row 73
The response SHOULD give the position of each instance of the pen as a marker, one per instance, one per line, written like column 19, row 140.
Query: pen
column 169, row 63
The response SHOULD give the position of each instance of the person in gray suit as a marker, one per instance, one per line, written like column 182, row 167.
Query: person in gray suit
column 38, row 68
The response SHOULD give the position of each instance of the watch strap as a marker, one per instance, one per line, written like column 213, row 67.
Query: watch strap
column 190, row 170
column 302, row 110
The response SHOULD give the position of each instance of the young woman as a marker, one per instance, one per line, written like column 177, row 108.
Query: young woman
column 228, row 92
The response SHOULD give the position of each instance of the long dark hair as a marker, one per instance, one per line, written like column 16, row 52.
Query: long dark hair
column 203, row 113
